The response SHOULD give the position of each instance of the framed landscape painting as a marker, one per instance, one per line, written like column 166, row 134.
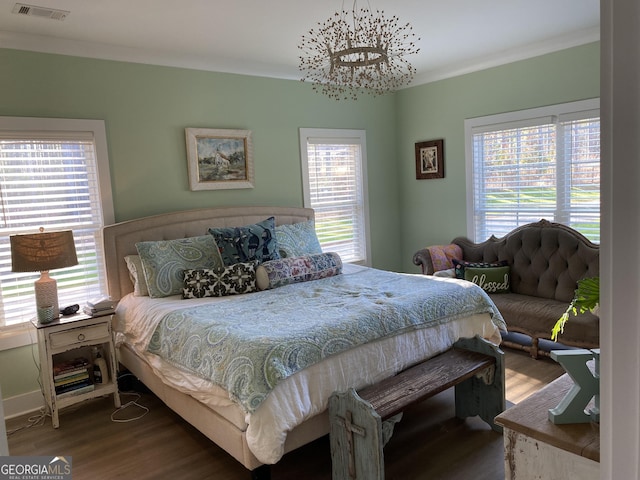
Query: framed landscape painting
column 219, row 159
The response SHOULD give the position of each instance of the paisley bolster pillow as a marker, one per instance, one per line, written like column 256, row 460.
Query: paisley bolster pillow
column 277, row 273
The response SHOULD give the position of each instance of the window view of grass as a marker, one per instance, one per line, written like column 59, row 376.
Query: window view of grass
column 549, row 171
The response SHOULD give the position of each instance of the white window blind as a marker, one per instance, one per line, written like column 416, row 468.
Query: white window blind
column 335, row 187
column 524, row 170
column 50, row 179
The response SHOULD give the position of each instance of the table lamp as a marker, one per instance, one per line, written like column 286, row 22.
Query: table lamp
column 41, row 252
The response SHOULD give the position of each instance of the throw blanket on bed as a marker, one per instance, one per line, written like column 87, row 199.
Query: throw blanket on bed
column 251, row 343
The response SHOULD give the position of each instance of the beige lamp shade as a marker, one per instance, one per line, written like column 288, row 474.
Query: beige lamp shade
column 41, row 252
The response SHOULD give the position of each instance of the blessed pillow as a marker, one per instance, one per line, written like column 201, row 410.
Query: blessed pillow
column 297, row 239
column 165, row 261
column 249, row 243
column 288, row 270
column 490, row 279
column 136, row 274
column 218, row 282
column 461, row 265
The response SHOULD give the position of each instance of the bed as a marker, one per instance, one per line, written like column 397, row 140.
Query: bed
column 257, row 429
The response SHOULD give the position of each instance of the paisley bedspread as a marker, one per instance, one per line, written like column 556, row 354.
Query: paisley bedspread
column 251, row 343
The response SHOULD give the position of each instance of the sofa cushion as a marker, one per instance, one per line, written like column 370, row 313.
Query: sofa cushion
column 536, row 317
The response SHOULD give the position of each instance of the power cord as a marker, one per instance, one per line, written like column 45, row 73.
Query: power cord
column 36, row 420
column 34, row 344
column 132, row 403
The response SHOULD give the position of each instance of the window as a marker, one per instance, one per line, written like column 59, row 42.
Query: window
column 54, row 173
column 528, row 165
column 335, row 186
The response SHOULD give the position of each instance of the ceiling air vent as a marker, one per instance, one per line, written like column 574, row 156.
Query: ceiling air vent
column 42, row 12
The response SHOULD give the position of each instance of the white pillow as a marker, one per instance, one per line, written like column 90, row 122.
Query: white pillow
column 449, row 273
column 136, row 274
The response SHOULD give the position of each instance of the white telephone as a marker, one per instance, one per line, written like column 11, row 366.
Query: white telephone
column 100, row 303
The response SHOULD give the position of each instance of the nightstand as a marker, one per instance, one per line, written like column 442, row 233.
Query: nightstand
column 69, row 338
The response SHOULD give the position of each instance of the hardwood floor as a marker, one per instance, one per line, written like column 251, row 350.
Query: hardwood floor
column 429, row 443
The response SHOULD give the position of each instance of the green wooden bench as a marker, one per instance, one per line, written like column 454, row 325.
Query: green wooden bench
column 362, row 422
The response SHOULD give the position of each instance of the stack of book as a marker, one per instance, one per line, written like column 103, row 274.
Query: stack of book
column 72, row 377
column 99, row 307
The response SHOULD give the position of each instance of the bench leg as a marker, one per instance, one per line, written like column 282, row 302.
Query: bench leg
column 482, row 396
column 356, row 437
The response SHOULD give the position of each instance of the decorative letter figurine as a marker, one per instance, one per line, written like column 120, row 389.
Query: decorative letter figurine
column 571, row 408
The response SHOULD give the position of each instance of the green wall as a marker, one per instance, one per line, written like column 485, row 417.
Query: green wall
column 434, row 211
column 146, row 109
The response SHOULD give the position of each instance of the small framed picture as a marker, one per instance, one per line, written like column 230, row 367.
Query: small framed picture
column 430, row 159
column 219, row 159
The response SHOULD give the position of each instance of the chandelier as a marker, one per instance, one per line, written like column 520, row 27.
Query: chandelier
column 356, row 51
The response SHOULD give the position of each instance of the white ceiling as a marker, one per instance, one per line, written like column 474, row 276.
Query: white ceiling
column 261, row 37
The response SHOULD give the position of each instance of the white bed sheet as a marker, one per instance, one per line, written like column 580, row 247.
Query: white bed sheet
column 304, row 394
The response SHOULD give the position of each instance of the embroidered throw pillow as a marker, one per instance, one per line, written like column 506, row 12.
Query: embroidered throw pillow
column 460, row 265
column 165, row 261
column 218, row 282
column 297, row 269
column 249, row 243
column 490, row 279
column 297, row 239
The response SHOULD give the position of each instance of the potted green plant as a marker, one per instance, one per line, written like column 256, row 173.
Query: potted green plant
column 586, row 298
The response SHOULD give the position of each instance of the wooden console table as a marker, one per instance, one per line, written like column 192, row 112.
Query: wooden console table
column 536, row 448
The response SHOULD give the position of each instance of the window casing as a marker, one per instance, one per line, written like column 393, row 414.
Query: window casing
column 533, row 164
column 54, row 174
column 335, row 186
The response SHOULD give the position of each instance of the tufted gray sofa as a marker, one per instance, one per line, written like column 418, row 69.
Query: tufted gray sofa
column 546, row 260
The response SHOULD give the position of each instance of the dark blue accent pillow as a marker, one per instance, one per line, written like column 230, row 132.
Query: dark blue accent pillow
column 249, row 243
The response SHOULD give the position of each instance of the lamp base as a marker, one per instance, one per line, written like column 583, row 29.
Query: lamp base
column 46, row 289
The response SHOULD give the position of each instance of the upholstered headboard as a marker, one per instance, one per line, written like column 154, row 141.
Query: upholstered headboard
column 120, row 239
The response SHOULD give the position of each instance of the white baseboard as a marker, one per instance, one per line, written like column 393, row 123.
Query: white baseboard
column 23, row 404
